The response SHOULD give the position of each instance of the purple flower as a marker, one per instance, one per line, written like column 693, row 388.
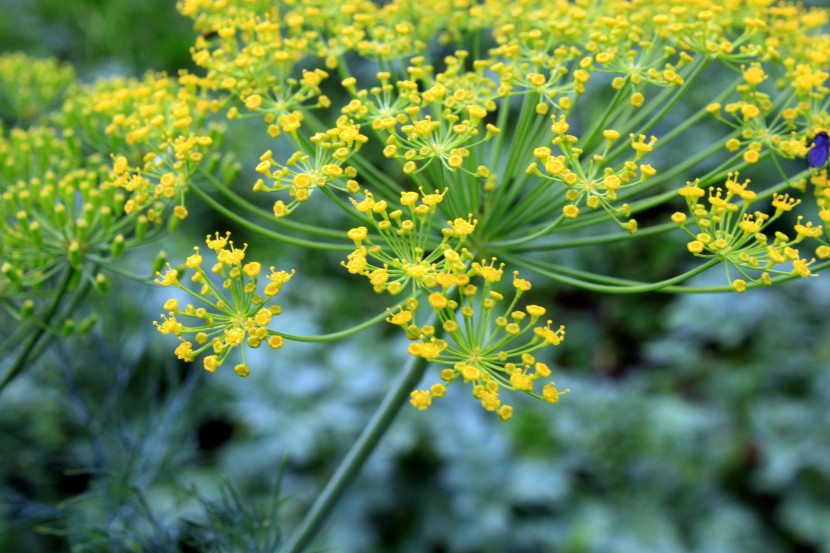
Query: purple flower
column 817, row 156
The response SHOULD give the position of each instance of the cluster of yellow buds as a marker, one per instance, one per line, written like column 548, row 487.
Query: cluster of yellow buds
column 29, row 153
column 489, row 345
column 31, row 87
column 403, row 254
column 157, row 129
column 60, row 211
column 724, row 228
column 232, row 314
column 302, row 172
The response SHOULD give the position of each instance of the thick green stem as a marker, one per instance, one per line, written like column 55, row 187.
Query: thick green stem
column 309, row 527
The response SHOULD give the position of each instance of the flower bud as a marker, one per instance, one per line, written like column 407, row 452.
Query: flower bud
column 117, row 248
column 87, row 324
column 27, row 309
column 68, row 328
column 102, row 283
column 74, row 254
column 141, row 227
column 159, row 262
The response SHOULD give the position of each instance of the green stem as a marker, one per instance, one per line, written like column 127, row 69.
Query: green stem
column 559, row 274
column 517, row 150
column 695, row 72
column 309, row 526
column 340, row 334
column 726, row 288
column 259, row 212
column 596, row 240
column 265, row 232
column 588, row 138
column 107, row 265
column 29, row 345
column 547, row 229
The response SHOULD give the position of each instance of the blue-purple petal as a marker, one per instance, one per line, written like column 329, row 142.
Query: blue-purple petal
column 818, row 154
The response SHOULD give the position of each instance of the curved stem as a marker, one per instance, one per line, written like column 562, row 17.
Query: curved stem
column 309, row 526
column 107, row 265
column 620, row 286
column 596, row 240
column 30, row 344
column 259, row 212
column 265, row 232
column 336, row 335
column 576, row 278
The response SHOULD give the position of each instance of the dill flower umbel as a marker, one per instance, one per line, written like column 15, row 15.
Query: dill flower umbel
column 227, row 315
column 157, row 130
column 61, row 211
column 490, row 345
column 540, row 126
column 404, row 256
column 728, row 231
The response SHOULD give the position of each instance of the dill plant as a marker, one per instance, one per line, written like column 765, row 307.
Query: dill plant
column 460, row 140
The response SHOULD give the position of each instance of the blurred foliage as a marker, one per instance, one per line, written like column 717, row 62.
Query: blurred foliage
column 696, row 424
column 99, row 36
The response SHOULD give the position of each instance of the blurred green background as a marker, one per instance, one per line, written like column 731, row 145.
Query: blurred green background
column 695, row 423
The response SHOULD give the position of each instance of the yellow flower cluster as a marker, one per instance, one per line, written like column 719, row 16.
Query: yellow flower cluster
column 156, row 128
column 546, row 54
column 421, row 124
column 759, row 124
column 302, row 172
column 489, row 345
column 726, row 229
column 821, row 186
column 233, row 314
column 404, row 254
column 30, row 87
column 546, row 116
column 249, row 53
column 598, row 184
